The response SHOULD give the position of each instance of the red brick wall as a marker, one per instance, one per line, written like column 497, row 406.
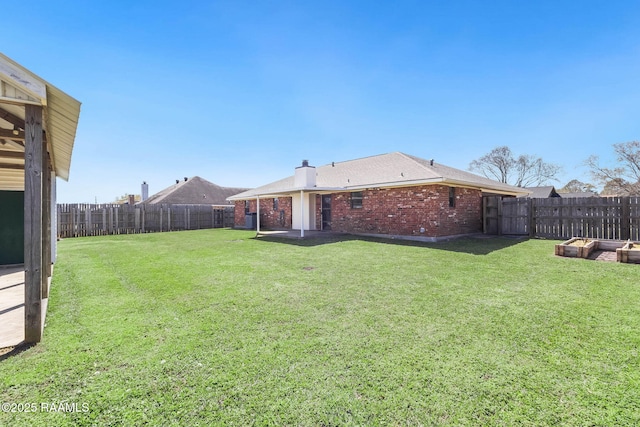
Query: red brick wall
column 269, row 218
column 278, row 218
column 238, row 214
column 394, row 211
column 404, row 211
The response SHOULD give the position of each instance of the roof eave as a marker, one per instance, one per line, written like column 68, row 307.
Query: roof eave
column 61, row 111
column 487, row 188
column 439, row 180
column 395, row 184
column 285, row 191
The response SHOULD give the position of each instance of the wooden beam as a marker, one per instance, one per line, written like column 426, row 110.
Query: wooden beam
column 19, row 145
column 33, row 225
column 11, row 166
column 17, row 137
column 11, row 118
column 9, row 134
column 46, row 223
column 11, row 155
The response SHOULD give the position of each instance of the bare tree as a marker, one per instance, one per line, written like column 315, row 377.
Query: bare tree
column 577, row 186
column 524, row 171
column 624, row 179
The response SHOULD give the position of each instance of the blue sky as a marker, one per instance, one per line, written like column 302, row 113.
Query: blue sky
column 240, row 92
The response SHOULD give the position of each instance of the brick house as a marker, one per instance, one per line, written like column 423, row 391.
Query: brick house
column 392, row 194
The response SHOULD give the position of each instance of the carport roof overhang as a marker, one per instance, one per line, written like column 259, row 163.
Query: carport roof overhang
column 486, row 191
column 20, row 87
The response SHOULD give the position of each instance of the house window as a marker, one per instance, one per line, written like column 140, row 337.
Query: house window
column 275, row 203
column 452, row 197
column 246, row 206
column 356, row 200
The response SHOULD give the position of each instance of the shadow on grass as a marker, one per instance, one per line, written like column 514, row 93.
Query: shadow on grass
column 476, row 245
column 20, row 348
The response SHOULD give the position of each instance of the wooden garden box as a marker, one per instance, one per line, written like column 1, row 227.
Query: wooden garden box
column 577, row 247
column 629, row 253
column 610, row 245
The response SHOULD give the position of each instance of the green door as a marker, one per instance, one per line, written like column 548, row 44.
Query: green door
column 11, row 227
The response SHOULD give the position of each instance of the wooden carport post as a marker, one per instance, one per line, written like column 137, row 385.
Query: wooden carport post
column 33, row 221
column 46, row 222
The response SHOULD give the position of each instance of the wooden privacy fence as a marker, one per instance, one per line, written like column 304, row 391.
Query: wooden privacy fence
column 561, row 218
column 77, row 220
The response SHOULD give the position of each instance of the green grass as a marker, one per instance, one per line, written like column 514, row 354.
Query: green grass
column 218, row 328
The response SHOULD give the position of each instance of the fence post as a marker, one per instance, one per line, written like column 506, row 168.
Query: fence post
column 625, row 220
column 532, row 218
column 87, row 220
column 58, row 221
column 73, row 222
column 500, row 216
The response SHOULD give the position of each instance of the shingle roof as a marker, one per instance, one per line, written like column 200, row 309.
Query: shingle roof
column 385, row 170
column 194, row 191
column 541, row 192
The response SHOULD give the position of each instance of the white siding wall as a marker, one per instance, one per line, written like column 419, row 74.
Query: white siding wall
column 309, row 211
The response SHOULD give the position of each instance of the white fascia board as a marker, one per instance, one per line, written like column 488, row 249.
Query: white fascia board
column 286, row 192
column 415, row 183
column 395, row 184
column 23, row 79
column 486, row 188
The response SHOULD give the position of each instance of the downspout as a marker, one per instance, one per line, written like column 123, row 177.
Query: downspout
column 258, row 215
column 301, row 213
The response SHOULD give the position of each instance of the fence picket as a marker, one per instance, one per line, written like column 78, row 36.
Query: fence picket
column 75, row 220
column 560, row 218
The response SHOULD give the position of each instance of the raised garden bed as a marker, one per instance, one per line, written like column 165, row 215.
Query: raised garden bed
column 630, row 253
column 576, row 247
column 579, row 247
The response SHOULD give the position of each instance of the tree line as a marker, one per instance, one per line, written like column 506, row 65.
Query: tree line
column 525, row 170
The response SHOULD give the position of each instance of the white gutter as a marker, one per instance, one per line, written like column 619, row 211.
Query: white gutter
column 395, row 184
column 287, row 191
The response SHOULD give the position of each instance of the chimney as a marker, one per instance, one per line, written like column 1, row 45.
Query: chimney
column 305, row 176
column 145, row 191
column 132, row 200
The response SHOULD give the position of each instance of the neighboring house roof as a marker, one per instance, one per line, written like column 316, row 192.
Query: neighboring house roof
column 579, row 194
column 385, row 170
column 194, row 191
column 541, row 192
column 60, row 121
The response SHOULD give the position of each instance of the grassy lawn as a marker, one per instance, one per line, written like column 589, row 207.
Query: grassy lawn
column 215, row 327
